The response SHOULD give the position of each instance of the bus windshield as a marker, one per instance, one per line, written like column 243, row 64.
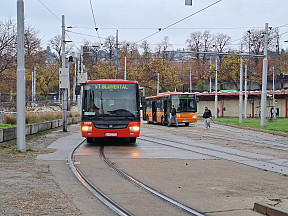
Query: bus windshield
column 111, row 99
column 184, row 103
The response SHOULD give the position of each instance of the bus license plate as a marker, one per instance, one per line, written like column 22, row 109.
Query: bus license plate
column 111, row 134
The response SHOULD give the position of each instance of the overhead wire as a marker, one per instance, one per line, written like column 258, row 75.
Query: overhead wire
column 78, row 33
column 59, row 20
column 147, row 28
column 162, row 29
column 50, row 11
column 96, row 29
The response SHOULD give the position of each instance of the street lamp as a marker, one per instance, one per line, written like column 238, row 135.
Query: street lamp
column 249, row 77
column 188, row 2
column 182, row 76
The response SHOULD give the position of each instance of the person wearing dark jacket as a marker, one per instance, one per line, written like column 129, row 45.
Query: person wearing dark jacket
column 207, row 115
column 173, row 116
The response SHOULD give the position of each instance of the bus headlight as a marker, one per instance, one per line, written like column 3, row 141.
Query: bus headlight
column 87, row 128
column 195, row 116
column 134, row 128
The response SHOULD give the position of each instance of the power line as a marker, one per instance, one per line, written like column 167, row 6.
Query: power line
column 78, row 33
column 50, row 11
column 182, row 28
column 59, row 20
column 73, row 42
column 160, row 29
column 96, row 29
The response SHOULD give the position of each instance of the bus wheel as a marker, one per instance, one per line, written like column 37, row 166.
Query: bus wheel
column 187, row 124
column 89, row 139
column 162, row 121
column 132, row 139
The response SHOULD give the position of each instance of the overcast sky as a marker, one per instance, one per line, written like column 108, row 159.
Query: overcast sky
column 137, row 19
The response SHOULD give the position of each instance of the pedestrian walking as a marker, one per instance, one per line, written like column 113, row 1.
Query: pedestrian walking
column 173, row 116
column 207, row 116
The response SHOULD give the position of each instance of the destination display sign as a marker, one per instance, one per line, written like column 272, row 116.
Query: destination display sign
column 185, row 96
column 108, row 86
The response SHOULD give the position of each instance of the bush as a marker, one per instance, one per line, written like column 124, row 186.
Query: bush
column 35, row 117
column 9, row 118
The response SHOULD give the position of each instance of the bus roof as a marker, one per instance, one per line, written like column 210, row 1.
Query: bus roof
column 111, row 81
column 164, row 94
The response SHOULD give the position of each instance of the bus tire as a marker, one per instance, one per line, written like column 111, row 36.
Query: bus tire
column 133, row 139
column 89, row 139
column 187, row 124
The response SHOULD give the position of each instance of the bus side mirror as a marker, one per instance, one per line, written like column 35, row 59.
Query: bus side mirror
column 197, row 99
column 77, row 89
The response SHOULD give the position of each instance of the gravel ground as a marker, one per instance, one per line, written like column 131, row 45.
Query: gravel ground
column 28, row 188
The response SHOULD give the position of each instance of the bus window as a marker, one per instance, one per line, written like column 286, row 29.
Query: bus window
column 184, row 103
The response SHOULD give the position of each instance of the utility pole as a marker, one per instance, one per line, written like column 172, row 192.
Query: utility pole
column 158, row 83
column 245, row 98
column 264, row 80
column 249, row 74
column 274, row 108
column 74, row 81
column 69, row 89
column 64, row 90
column 79, row 98
column 190, row 82
column 210, row 81
column 241, row 89
column 21, row 130
column 216, row 94
column 117, row 58
column 125, row 74
column 34, row 93
column 182, row 76
column 32, row 84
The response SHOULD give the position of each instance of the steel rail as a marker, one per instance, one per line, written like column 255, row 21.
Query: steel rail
column 95, row 191
column 145, row 187
column 283, row 170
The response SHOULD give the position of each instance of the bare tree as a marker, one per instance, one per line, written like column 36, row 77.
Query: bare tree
column 162, row 47
column 222, row 42
column 257, row 40
column 208, row 40
column 7, row 45
column 32, row 47
column 55, row 44
column 109, row 44
column 146, row 48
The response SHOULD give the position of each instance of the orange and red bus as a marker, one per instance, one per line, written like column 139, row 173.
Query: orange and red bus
column 157, row 108
column 110, row 108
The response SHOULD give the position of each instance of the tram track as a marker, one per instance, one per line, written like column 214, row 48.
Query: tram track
column 147, row 188
column 280, row 144
column 110, row 203
column 263, row 162
column 93, row 189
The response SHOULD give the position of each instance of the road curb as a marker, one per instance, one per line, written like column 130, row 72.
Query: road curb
column 254, row 129
column 269, row 210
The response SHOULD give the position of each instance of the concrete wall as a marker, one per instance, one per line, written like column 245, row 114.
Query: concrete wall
column 10, row 133
column 230, row 107
column 1, row 117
